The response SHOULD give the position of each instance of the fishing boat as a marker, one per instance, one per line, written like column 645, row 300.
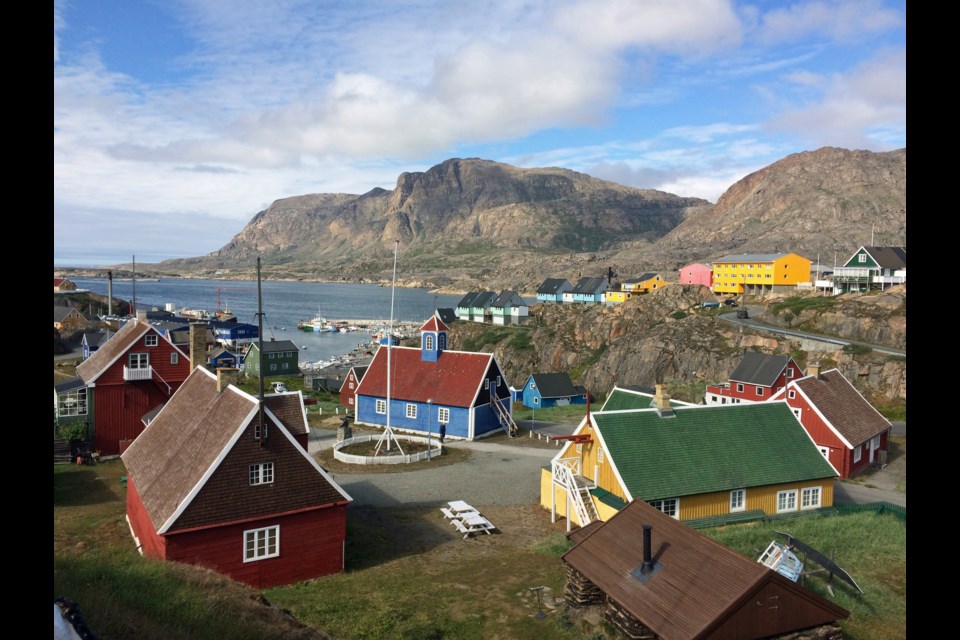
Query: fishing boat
column 318, row 323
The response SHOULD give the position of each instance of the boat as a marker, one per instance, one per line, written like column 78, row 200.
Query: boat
column 318, row 323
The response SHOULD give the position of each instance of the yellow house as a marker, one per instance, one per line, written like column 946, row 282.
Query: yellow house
column 67, row 318
column 644, row 284
column 758, row 273
column 690, row 462
column 617, row 297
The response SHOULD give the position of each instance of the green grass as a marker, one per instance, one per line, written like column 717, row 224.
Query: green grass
column 857, row 349
column 571, row 413
column 872, row 548
column 797, row 305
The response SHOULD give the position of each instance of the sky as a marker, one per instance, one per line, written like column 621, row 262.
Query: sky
column 176, row 121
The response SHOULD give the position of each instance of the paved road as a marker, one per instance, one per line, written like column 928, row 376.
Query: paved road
column 756, row 311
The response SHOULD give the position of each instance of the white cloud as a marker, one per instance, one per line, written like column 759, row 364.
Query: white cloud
column 841, row 20
column 858, row 109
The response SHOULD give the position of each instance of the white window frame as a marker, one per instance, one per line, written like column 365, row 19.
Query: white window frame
column 151, row 340
column 858, row 453
column 791, row 394
column 862, row 257
column 441, row 342
column 579, row 447
column 411, row 411
column 428, row 342
column 664, row 506
column 273, row 366
column 787, row 501
column 260, row 544
column 443, row 415
column 825, row 452
column 759, row 391
column 810, row 498
column 600, row 455
column 138, row 361
column 350, row 385
column 76, row 408
column 738, row 500
column 174, row 357
column 381, row 407
column 285, row 365
column 261, row 473
column 739, row 387
column 789, row 372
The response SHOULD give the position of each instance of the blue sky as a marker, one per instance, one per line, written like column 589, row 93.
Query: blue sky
column 176, row 121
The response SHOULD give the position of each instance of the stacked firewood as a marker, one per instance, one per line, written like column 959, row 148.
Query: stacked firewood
column 579, row 591
column 626, row 623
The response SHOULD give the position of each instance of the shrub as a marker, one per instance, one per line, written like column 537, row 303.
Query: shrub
column 678, row 315
column 73, row 431
column 857, row 349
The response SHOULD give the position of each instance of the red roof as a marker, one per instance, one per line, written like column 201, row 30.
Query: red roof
column 58, row 281
column 453, row 380
column 434, row 324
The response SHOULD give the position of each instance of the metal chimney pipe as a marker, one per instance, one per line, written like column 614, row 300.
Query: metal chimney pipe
column 647, row 555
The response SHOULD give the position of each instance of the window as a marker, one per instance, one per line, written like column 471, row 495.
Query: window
column 72, row 403
column 261, row 543
column 381, row 406
column 536, row 400
column 351, row 385
column 273, row 366
column 787, row 501
column 261, row 473
column 737, row 501
column 270, row 355
column 498, row 382
column 442, row 342
column 759, row 391
column 579, row 447
column 858, row 453
column 791, row 394
column 789, row 372
column 256, row 431
column 139, row 360
column 668, row 506
column 533, row 385
column 740, row 387
column 862, row 257
column 411, row 410
column 810, row 498
column 428, row 342
column 443, row 415
column 825, row 452
column 285, row 365
column 174, row 357
column 796, row 412
column 150, row 340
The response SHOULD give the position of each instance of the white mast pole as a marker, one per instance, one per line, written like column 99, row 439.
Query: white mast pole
column 388, row 432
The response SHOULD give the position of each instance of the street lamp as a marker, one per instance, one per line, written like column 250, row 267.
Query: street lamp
column 429, row 403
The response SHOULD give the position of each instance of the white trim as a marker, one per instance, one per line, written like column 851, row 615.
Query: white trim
column 256, row 532
column 796, row 501
column 819, row 494
column 743, row 500
column 261, row 473
column 822, row 417
column 121, row 354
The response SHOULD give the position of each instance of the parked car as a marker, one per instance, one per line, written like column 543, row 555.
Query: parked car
column 278, row 387
column 742, row 314
column 730, row 303
column 709, row 305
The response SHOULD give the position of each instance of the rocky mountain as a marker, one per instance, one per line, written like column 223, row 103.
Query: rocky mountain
column 808, row 203
column 666, row 337
column 470, row 223
column 459, row 217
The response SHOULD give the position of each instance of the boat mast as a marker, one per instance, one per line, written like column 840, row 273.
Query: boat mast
column 388, row 431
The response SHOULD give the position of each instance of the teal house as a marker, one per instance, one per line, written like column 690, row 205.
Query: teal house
column 279, row 358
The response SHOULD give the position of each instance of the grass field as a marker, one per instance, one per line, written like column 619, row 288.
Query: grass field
column 408, row 575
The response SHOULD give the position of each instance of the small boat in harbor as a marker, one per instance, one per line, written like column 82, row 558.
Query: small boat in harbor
column 318, row 323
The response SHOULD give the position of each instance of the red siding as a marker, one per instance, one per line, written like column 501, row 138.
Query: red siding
column 840, row 456
column 311, row 545
column 119, row 406
column 151, row 544
column 348, row 395
column 303, row 440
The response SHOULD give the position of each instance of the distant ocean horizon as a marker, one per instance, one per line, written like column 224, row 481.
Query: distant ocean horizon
column 284, row 304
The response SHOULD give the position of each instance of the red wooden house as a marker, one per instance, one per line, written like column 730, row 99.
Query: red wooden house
column 849, row 432
column 757, row 378
column 289, row 408
column 208, row 483
column 348, row 391
column 132, row 373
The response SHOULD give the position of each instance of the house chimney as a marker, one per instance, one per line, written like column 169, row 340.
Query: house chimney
column 813, row 369
column 647, row 555
column 198, row 344
column 110, row 293
column 225, row 377
column 661, row 403
column 142, row 315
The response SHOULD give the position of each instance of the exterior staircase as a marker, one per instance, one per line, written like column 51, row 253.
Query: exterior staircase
column 61, row 450
column 565, row 473
column 506, row 420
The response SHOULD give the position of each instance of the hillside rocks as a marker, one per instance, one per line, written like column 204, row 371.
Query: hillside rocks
column 662, row 337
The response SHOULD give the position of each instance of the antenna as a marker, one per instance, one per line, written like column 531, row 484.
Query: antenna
column 388, row 431
column 133, row 279
column 263, row 427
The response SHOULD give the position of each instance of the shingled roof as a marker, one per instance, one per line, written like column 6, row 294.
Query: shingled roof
column 844, row 409
column 888, row 257
column 552, row 286
column 185, row 444
column 699, row 585
column 289, row 409
column 508, row 299
column 621, row 398
column 453, row 380
column 759, row 368
column 114, row 348
column 554, row 385
column 590, row 286
column 704, row 449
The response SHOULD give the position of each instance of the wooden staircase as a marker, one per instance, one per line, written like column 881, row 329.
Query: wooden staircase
column 61, row 450
column 579, row 493
column 506, row 420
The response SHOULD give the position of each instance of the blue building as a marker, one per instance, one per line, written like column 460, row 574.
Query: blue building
column 587, row 290
column 550, row 390
column 552, row 290
column 429, row 386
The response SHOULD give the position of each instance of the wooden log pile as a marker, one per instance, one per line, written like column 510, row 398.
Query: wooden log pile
column 629, row 626
column 580, row 592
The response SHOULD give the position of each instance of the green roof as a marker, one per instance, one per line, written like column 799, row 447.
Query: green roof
column 708, row 449
column 621, row 399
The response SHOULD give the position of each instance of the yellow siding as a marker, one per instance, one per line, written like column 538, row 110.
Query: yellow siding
column 763, row 498
column 560, row 495
column 617, row 296
column 787, row 270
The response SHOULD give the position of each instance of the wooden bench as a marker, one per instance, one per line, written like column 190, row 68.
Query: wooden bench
column 461, row 528
column 448, row 514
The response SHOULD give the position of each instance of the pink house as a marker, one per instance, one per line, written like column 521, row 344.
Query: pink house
column 697, row 273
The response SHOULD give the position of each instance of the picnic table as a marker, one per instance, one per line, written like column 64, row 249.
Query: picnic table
column 466, row 519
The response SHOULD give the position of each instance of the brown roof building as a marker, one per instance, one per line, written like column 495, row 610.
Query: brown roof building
column 209, row 484
column 658, row 578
